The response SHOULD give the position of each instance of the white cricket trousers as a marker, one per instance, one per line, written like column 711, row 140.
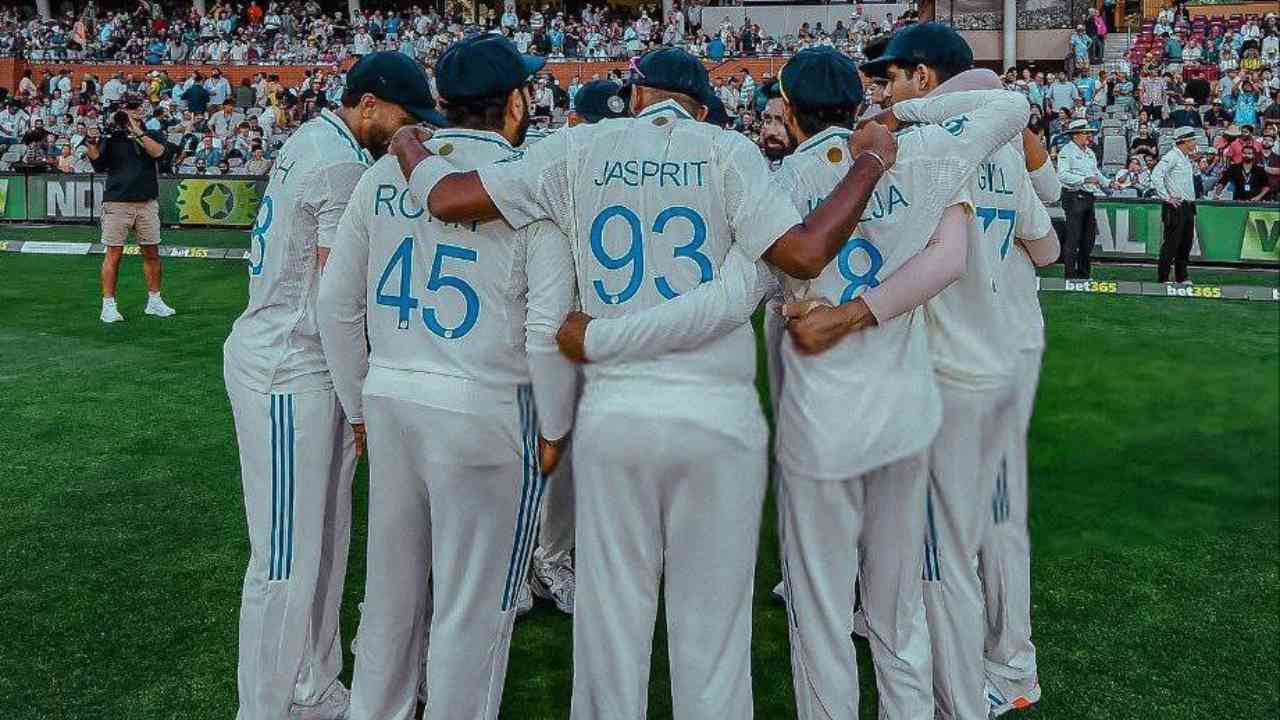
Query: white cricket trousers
column 670, row 501
column 963, row 463
column 555, row 534
column 297, row 460
column 454, row 497
column 1005, row 556
column 837, row 530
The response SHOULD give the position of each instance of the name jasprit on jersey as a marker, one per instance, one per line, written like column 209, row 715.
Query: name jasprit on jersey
column 640, row 173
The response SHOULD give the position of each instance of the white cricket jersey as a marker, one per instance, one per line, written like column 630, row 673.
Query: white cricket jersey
column 651, row 206
column 446, row 305
column 1022, row 280
column 871, row 399
column 274, row 345
column 975, row 326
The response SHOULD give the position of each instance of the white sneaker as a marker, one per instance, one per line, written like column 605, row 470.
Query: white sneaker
column 110, row 313
column 524, row 600
column 779, row 593
column 333, row 705
column 1007, row 700
column 156, row 306
column 553, row 581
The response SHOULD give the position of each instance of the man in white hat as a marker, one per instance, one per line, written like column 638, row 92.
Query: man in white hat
column 1081, row 182
column 1173, row 180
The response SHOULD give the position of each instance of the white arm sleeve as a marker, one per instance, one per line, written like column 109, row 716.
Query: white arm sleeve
column 549, row 269
column 425, row 176
column 1044, row 180
column 533, row 187
column 928, row 272
column 758, row 215
column 1033, row 220
column 703, row 314
column 328, row 198
column 341, row 311
column 984, row 119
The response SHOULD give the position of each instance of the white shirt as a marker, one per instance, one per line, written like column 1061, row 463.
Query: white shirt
column 1174, row 176
column 1077, row 168
column 218, row 89
column 112, row 91
column 457, row 315
column 223, row 125
column 1021, row 280
column 274, row 345
column 651, row 206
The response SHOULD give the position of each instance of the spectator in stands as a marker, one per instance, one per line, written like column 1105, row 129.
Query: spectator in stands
column 1216, row 116
column 197, row 96
column 1134, row 176
column 209, row 152
column 258, row 164
column 1246, row 104
column 1123, row 95
column 244, row 95
column 1144, row 141
column 1236, row 140
column 14, row 122
column 1152, row 93
column 1096, row 29
column 1186, row 116
column 1080, row 44
column 1062, row 93
column 1173, row 181
column 1246, row 179
column 1270, row 162
column 217, row 87
column 224, row 122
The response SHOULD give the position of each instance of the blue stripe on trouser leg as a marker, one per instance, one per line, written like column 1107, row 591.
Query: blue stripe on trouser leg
column 508, row 592
column 275, row 490
column 288, row 553
column 534, row 460
column 932, row 572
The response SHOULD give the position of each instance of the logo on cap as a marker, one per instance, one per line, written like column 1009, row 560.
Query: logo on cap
column 616, row 104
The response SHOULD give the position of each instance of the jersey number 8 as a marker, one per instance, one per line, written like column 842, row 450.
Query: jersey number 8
column 404, row 301
column 258, row 235
column 634, row 255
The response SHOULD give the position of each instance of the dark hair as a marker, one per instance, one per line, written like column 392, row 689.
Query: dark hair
column 812, row 122
column 944, row 72
column 480, row 114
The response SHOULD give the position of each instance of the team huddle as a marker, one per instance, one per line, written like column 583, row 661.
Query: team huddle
column 506, row 321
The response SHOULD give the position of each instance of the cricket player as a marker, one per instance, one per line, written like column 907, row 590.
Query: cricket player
column 1005, row 556
column 551, row 576
column 668, row 489
column 973, row 363
column 465, row 396
column 297, row 448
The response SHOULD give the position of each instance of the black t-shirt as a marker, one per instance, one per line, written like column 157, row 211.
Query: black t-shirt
column 1245, row 184
column 131, row 172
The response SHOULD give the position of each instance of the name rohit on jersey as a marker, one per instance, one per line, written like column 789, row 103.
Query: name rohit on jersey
column 641, row 173
column 399, row 202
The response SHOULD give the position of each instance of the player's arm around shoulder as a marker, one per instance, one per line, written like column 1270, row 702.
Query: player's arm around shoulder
column 551, row 293
column 330, row 187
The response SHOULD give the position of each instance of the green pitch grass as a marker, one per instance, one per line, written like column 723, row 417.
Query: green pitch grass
column 1155, row 513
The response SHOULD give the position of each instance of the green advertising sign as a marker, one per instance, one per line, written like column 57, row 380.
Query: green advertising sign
column 210, row 201
column 13, row 198
column 1225, row 232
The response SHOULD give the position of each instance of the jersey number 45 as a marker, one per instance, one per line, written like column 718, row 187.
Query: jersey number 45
column 400, row 267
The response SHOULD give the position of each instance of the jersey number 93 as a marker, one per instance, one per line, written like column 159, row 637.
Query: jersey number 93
column 633, row 257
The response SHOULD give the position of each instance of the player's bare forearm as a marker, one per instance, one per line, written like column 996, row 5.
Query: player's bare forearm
column 804, row 250
column 461, row 197
column 1042, row 251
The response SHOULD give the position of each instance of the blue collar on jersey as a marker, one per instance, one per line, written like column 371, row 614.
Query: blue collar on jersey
column 825, row 135
column 346, row 135
column 477, row 135
column 670, row 106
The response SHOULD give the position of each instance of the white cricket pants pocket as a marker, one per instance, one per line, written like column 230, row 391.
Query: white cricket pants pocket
column 670, row 500
column 297, row 460
column 865, row 527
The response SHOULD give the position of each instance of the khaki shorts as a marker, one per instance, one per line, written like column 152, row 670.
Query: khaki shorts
column 119, row 217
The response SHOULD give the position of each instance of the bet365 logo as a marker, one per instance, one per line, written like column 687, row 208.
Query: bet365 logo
column 1261, row 235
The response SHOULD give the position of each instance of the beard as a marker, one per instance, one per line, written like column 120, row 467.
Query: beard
column 775, row 149
column 525, row 121
column 379, row 138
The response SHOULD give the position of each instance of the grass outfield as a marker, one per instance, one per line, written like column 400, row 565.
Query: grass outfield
column 1155, row 519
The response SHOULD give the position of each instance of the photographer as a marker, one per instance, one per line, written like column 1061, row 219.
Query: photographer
column 130, row 156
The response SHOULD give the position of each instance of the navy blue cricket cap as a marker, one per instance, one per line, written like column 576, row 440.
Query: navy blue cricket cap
column 820, row 79
column 600, row 99
column 932, row 44
column 396, row 78
column 483, row 66
column 673, row 70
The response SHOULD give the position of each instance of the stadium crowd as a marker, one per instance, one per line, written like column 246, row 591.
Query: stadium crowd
column 1220, row 75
